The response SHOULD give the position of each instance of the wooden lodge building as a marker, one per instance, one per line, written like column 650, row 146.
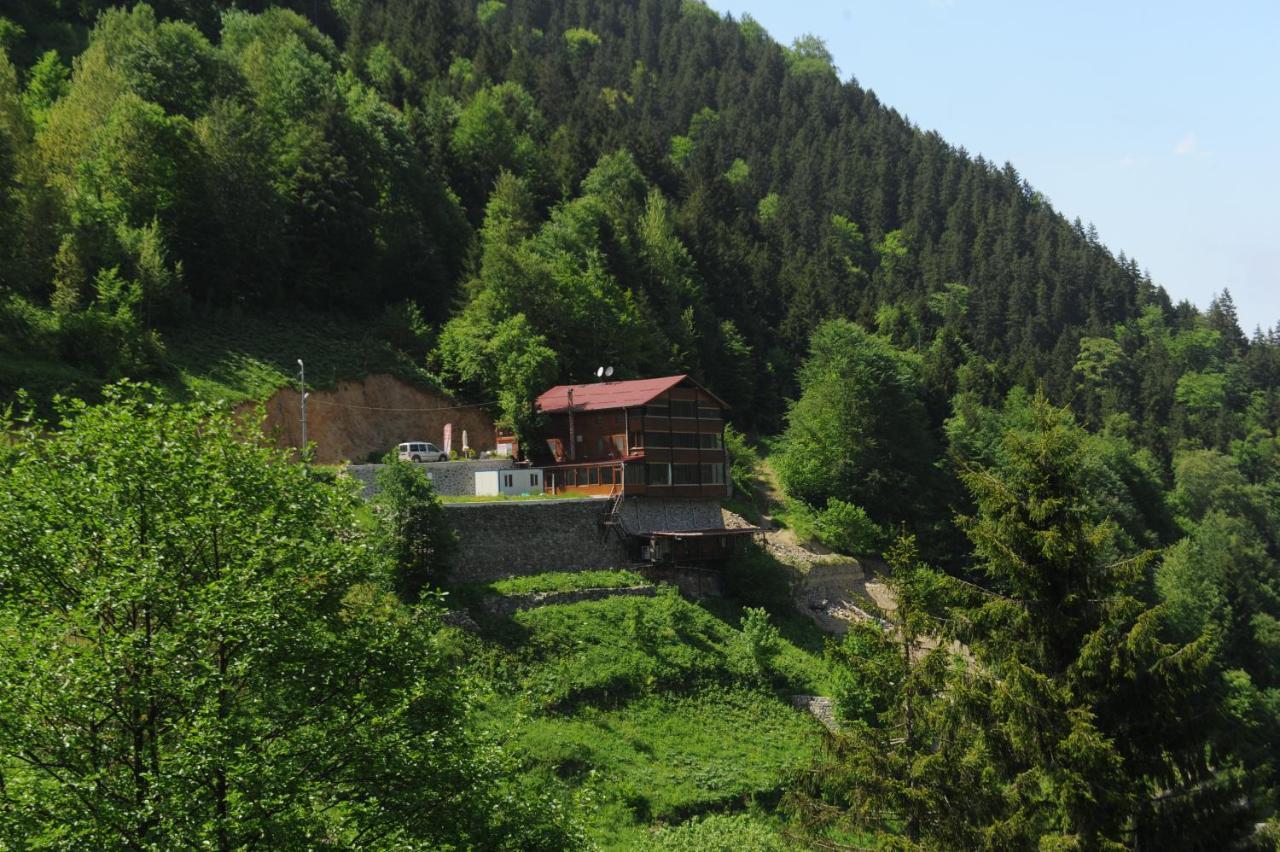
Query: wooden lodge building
column 648, row 459
column 660, row 437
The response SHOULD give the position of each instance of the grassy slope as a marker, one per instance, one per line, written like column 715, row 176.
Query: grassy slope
column 644, row 711
column 235, row 358
column 249, row 357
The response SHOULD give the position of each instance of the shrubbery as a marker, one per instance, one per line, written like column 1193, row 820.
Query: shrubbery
column 847, row 528
column 201, row 650
column 744, row 462
column 717, row 833
column 752, row 651
column 867, row 672
column 859, row 431
column 412, row 529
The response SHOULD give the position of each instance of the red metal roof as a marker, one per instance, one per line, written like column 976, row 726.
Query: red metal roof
column 602, row 396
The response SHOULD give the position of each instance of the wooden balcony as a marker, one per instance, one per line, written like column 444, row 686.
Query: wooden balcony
column 595, row 479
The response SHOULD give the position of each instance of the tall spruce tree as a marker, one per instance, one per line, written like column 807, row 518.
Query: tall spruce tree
column 884, row 773
column 1060, row 720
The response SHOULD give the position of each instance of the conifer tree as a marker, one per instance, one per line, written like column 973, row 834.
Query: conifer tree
column 1059, row 590
column 884, row 773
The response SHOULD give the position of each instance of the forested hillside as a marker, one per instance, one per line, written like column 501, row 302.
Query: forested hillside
column 648, row 185
column 941, row 368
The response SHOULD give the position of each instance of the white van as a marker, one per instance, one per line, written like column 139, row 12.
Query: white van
column 421, row 451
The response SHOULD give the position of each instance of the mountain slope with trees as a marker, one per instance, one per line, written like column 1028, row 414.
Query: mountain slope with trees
column 676, row 179
column 517, row 193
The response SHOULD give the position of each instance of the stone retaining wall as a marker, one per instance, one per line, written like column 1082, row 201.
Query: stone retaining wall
column 819, row 707
column 517, row 537
column 520, row 537
column 451, row 479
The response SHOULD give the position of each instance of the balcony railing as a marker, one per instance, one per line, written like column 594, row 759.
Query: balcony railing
column 586, row 477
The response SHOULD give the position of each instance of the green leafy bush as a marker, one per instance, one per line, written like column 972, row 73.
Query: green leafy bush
column 581, row 42
column 754, row 649
column 847, row 528
column 405, row 328
column 717, row 833
column 412, row 530
column 744, row 462
column 25, row 327
column 199, row 650
column 755, row 578
column 867, row 669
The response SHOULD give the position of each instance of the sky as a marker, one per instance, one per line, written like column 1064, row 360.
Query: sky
column 1157, row 122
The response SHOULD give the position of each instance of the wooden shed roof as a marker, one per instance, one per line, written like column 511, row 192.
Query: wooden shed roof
column 604, row 396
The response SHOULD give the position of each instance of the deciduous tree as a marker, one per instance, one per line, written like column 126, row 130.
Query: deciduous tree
column 200, row 650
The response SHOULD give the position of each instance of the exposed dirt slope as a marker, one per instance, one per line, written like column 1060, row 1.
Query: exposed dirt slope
column 829, row 588
column 358, row 418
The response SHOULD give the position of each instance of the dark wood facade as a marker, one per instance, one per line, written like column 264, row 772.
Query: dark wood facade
column 671, row 445
column 693, row 547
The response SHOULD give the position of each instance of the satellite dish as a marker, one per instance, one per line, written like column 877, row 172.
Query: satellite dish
column 609, row 372
column 599, row 372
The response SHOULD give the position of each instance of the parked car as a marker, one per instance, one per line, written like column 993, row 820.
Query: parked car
column 421, row 451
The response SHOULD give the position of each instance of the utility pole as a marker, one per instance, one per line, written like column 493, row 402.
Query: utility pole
column 572, row 448
column 302, row 396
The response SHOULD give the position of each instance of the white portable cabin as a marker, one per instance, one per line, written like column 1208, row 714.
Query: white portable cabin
column 509, row 481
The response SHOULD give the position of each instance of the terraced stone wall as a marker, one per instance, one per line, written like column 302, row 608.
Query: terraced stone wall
column 521, row 537
column 451, row 478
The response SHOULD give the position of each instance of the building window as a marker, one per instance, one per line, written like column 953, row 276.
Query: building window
column 713, row 474
column 533, row 480
column 684, row 440
column 658, row 474
column 507, row 479
column 683, row 409
column 684, row 474
column 658, row 439
column 595, row 475
column 712, row 441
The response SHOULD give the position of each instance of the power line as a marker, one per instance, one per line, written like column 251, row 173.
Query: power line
column 314, row 401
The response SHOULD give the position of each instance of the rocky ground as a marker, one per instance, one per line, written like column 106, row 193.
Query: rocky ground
column 832, row 589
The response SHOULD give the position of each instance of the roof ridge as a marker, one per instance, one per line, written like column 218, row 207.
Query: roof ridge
column 601, row 396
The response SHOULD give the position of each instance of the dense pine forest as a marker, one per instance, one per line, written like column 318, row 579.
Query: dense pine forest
column 1074, row 481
